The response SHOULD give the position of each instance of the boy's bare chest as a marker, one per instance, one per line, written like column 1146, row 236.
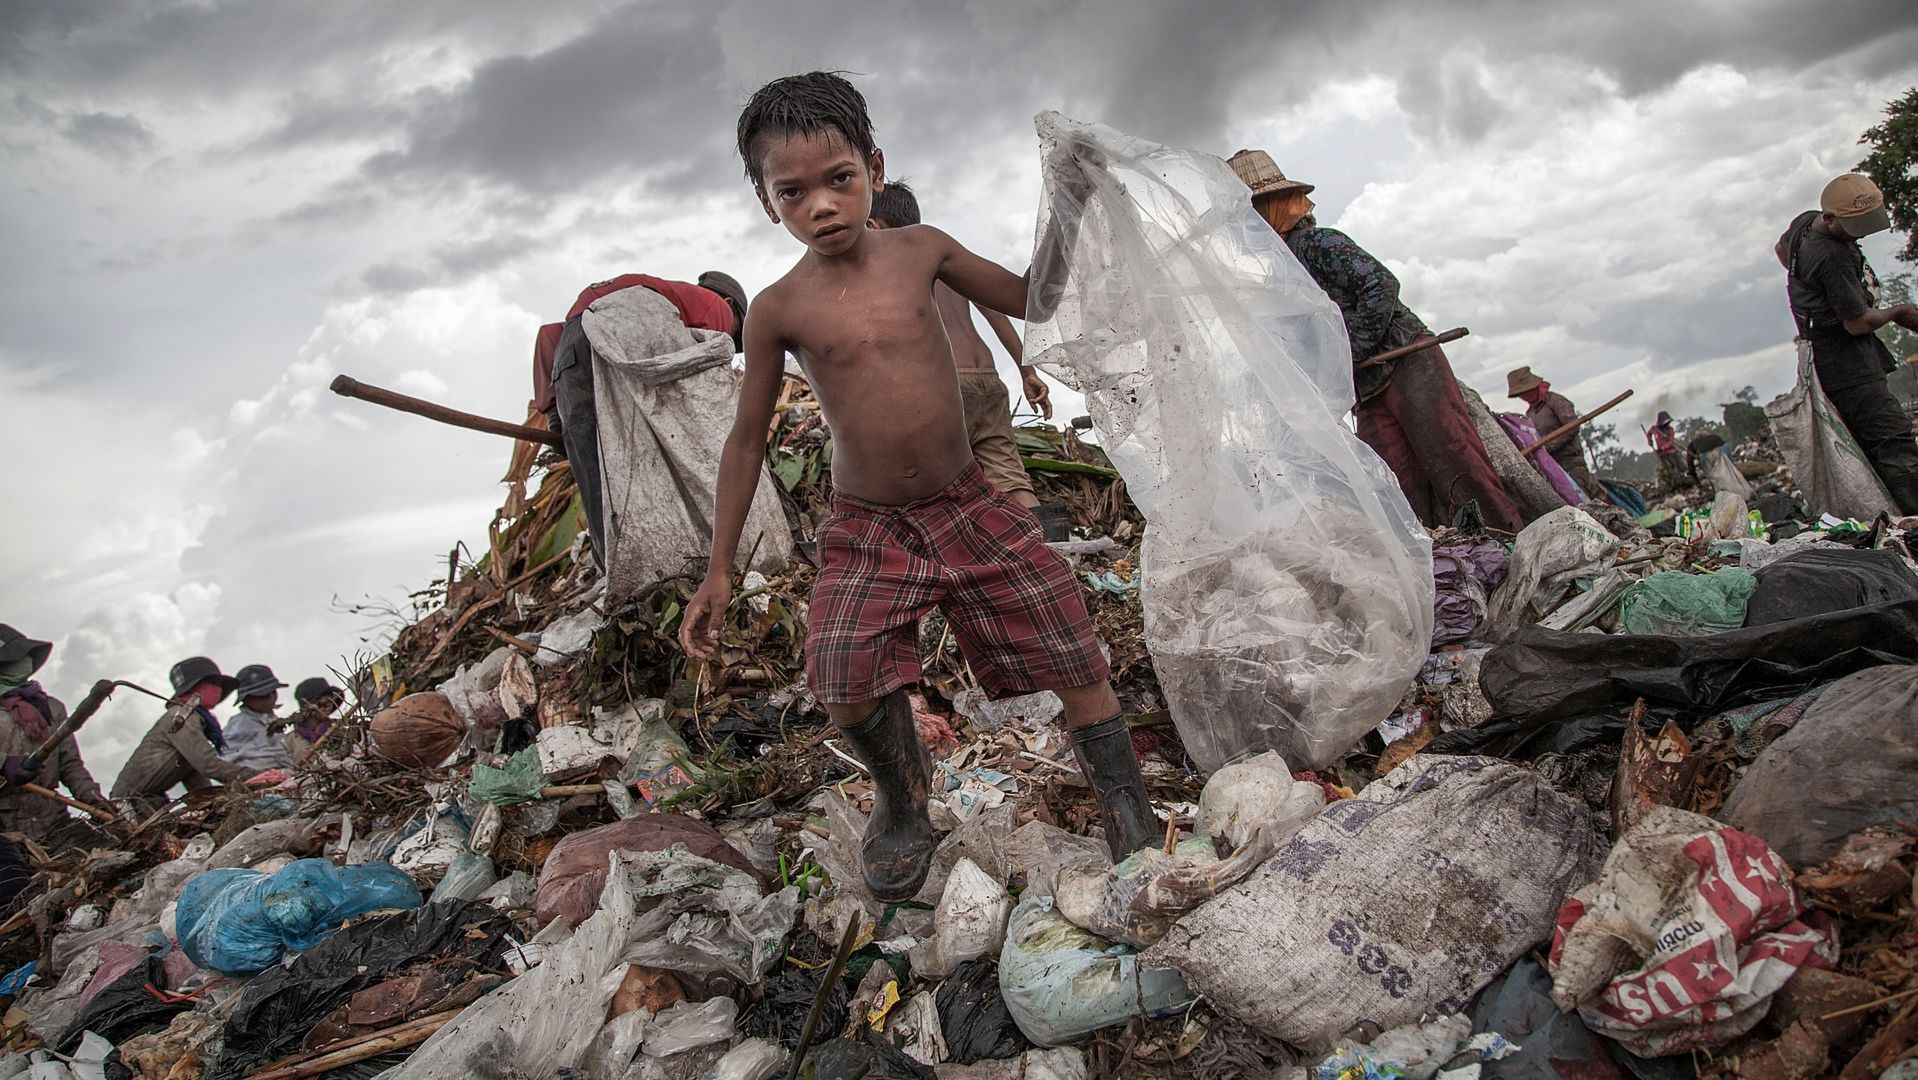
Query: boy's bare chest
column 884, row 322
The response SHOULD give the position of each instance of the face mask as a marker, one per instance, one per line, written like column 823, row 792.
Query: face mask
column 209, row 693
column 1283, row 214
column 16, row 672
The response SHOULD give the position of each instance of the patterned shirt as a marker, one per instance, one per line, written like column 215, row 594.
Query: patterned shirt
column 1367, row 294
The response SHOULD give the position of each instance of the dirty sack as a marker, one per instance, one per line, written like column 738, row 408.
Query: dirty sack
column 1288, row 586
column 281, row 1005
column 1137, row 901
column 574, row 873
column 240, row 922
column 1826, row 462
column 1826, row 579
column 1683, row 939
column 664, row 397
column 1340, row 927
column 1549, row 557
column 1543, row 675
column 1850, row 763
column 1680, row 604
column 1061, row 983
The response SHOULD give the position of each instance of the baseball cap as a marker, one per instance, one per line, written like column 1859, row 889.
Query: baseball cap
column 1856, row 204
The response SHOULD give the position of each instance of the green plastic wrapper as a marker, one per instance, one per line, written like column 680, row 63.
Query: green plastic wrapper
column 520, row 781
column 1678, row 604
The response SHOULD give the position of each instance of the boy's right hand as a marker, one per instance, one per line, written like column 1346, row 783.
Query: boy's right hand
column 699, row 629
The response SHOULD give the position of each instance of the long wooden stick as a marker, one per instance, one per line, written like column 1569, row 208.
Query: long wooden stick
column 90, row 811
column 347, row 386
column 81, row 714
column 1390, row 355
column 1569, row 425
column 360, row 1048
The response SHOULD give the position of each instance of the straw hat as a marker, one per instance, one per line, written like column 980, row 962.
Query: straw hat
column 1257, row 169
column 1520, row 381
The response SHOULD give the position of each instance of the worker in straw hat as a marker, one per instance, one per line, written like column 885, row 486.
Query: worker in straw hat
column 1834, row 301
column 1548, row 410
column 1409, row 410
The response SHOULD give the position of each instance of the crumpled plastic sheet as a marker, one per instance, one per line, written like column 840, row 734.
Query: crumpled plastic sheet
column 1687, row 605
column 1550, row 555
column 708, row 917
column 240, row 922
column 1258, row 793
column 520, row 781
column 1061, row 982
column 969, row 923
column 1444, row 1049
column 1520, row 430
column 1137, row 901
column 1288, row 586
column 1465, row 576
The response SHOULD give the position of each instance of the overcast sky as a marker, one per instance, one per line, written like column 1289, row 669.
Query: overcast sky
column 211, row 208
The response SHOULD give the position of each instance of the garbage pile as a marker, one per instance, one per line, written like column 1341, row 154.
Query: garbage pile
column 1647, row 806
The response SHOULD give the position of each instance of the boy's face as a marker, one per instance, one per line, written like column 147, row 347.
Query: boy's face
column 817, row 186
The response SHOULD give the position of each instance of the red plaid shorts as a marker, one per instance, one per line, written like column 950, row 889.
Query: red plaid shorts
column 971, row 552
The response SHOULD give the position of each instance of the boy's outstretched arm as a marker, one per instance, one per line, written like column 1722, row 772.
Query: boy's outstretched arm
column 740, row 464
column 1038, row 395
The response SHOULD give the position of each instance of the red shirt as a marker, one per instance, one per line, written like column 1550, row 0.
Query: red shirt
column 699, row 308
column 544, row 346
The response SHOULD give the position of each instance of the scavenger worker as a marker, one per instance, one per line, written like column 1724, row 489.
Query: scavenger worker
column 17, row 769
column 1663, row 439
column 1409, row 411
column 183, row 746
column 318, row 700
column 563, row 370
column 252, row 738
column 1548, row 411
column 28, row 715
column 1834, row 295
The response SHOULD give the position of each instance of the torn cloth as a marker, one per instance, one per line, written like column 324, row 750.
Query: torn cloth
column 664, row 397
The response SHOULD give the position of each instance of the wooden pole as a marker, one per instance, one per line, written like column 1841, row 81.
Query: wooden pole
column 347, row 386
column 1423, row 343
column 371, row 1045
column 1569, row 425
column 90, row 811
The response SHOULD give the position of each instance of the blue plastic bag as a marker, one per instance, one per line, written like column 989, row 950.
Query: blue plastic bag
column 240, row 922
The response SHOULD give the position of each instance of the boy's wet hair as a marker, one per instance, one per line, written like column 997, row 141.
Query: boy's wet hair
column 895, row 204
column 802, row 105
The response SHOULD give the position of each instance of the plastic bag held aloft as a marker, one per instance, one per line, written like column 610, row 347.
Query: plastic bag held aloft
column 1288, row 587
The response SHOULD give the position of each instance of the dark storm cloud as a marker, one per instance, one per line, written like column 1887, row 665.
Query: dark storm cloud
column 450, row 264
column 111, row 135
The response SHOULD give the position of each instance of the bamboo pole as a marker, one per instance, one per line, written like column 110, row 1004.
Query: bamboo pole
column 357, row 1049
column 1570, row 424
column 347, row 386
column 1390, row 355
column 90, row 811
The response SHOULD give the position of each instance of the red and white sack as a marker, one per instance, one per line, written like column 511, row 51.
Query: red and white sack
column 1689, row 930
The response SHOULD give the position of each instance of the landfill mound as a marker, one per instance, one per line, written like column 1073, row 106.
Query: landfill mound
column 1649, row 809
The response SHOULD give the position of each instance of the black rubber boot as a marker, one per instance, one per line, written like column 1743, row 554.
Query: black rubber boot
column 1111, row 768
column 897, row 852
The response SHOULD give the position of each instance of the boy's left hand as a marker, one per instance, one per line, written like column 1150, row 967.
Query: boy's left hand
column 1038, row 394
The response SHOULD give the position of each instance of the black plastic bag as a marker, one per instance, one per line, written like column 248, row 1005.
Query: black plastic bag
column 125, row 1007
column 844, row 1059
column 1545, row 674
column 973, row 1015
column 1552, row 1044
column 283, row 1003
column 1848, row 764
column 780, row 1012
column 1819, row 580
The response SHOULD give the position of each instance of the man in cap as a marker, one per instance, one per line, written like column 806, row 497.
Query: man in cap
column 318, row 700
column 1834, row 296
column 28, row 715
column 563, row 369
column 183, row 746
column 1548, row 411
column 250, row 738
column 1409, row 410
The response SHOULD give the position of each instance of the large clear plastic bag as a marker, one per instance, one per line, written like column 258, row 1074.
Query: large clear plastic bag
column 1288, row 586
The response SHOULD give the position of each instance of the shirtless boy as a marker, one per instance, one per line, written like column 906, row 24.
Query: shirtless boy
column 914, row 524
column 987, row 405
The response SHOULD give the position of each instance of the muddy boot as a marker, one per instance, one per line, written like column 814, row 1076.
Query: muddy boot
column 897, row 852
column 1105, row 757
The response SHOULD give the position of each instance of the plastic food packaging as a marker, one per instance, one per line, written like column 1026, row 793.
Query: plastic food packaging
column 969, row 923
column 1339, row 927
column 240, row 922
column 1256, row 793
column 1288, row 586
column 1683, row 939
column 1062, row 983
